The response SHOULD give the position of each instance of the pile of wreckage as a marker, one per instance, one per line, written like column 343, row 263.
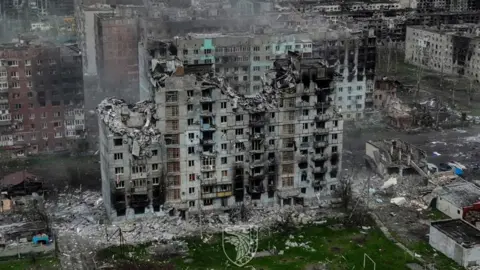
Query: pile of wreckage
column 407, row 176
column 136, row 123
column 430, row 113
column 82, row 213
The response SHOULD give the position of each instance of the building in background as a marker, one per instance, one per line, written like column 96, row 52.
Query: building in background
column 449, row 49
column 116, row 46
column 87, row 23
column 42, row 95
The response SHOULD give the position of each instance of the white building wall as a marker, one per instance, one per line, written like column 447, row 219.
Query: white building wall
column 448, row 208
column 441, row 242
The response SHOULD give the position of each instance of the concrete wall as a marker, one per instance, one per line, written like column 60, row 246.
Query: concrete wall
column 451, row 249
column 373, row 153
column 89, row 51
column 441, row 242
column 448, row 208
column 471, row 256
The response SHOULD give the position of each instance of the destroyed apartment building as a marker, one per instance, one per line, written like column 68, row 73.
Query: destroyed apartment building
column 395, row 157
column 207, row 147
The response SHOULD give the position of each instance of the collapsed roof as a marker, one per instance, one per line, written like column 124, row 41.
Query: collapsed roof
column 136, row 123
column 284, row 76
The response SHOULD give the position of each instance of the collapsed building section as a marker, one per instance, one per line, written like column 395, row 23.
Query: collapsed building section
column 395, row 156
column 130, row 157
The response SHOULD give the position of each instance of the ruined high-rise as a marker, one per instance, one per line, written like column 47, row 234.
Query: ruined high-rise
column 217, row 147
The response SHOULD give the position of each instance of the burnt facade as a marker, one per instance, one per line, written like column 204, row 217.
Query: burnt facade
column 43, row 96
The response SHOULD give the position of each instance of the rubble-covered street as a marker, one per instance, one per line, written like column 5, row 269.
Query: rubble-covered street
column 402, row 202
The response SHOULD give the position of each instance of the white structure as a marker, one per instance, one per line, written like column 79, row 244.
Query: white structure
column 40, row 26
column 457, row 239
column 457, row 195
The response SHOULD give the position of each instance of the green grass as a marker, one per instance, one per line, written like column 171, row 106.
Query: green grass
column 42, row 263
column 432, row 256
column 341, row 249
column 435, row 214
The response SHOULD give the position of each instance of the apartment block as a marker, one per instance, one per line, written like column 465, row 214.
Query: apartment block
column 41, row 97
column 219, row 147
column 450, row 49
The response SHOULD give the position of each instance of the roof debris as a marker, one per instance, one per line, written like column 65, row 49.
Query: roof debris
column 136, row 123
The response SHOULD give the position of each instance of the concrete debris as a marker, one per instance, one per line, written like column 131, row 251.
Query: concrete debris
column 135, row 123
column 162, row 69
column 398, row 201
column 392, row 181
column 82, row 214
column 291, row 243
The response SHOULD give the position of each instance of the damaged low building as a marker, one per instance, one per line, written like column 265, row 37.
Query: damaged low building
column 453, row 199
column 130, row 158
column 279, row 146
column 395, row 156
column 457, row 240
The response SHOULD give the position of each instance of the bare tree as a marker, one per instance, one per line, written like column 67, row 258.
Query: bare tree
column 344, row 191
column 471, row 90
column 35, row 210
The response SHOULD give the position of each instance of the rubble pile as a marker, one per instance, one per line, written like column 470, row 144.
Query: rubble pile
column 291, row 243
column 162, row 69
column 76, row 211
column 266, row 99
column 82, row 213
column 135, row 122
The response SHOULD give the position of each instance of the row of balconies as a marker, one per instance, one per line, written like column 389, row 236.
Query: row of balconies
column 213, row 195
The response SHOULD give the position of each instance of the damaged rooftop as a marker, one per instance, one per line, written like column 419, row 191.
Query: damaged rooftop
column 135, row 123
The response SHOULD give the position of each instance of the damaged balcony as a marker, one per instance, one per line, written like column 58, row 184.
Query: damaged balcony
column 207, row 123
column 323, row 117
column 207, row 110
column 224, row 190
column 207, row 140
column 223, row 194
column 319, row 157
column 302, row 160
column 320, row 144
column 206, row 97
column 208, row 181
column 316, row 183
column 209, row 195
column 256, row 186
column 257, row 120
column 139, row 202
column 258, row 160
column 207, row 168
column 257, row 173
column 257, row 136
column 319, row 170
column 335, row 159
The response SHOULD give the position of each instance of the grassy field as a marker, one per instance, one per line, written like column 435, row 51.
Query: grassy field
column 45, row 263
column 340, row 249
